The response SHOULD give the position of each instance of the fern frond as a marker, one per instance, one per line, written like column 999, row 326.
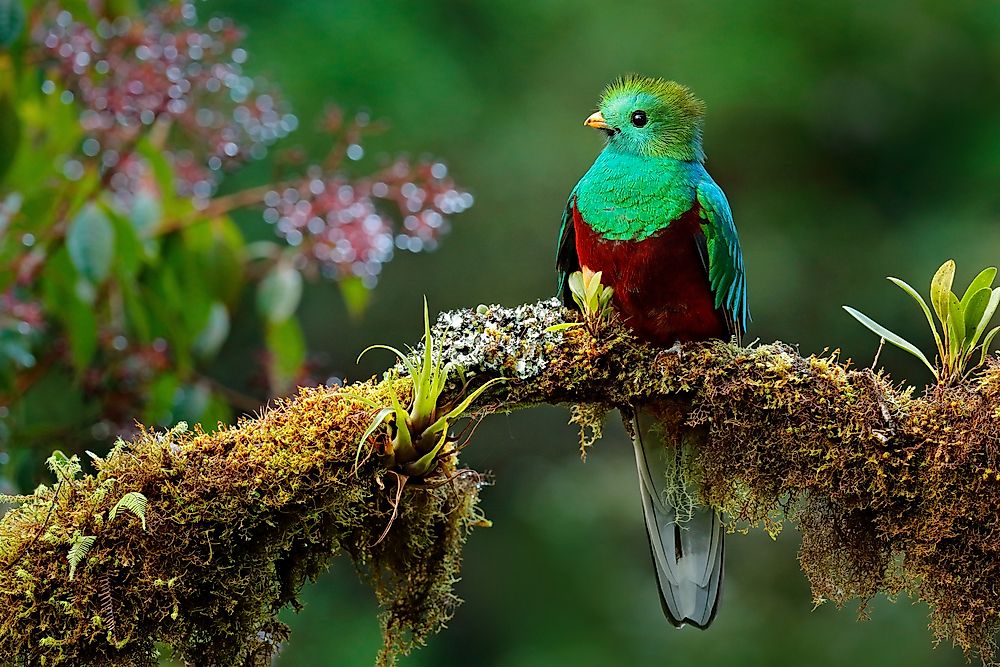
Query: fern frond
column 78, row 552
column 107, row 606
column 134, row 502
column 64, row 467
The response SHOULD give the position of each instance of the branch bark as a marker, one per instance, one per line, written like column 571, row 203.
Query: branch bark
column 891, row 491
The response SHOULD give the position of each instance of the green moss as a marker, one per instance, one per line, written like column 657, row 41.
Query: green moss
column 589, row 418
column 891, row 492
column 237, row 521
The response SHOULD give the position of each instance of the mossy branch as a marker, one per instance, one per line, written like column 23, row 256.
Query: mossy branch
column 891, row 491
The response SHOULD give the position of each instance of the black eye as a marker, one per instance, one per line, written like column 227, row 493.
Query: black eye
column 639, row 118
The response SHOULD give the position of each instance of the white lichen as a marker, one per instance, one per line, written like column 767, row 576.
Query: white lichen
column 512, row 342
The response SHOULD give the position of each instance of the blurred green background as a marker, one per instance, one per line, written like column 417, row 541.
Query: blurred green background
column 855, row 140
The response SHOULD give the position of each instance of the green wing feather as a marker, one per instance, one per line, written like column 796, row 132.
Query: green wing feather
column 567, row 260
column 725, row 257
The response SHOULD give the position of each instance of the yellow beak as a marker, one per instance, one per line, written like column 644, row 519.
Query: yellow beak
column 596, row 120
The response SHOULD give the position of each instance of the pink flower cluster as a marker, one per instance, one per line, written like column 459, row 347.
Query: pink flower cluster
column 163, row 69
column 182, row 85
column 351, row 228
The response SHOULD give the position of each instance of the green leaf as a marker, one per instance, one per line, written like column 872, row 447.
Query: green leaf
column 225, row 260
column 403, row 442
column 973, row 310
column 145, row 217
column 279, row 293
column 134, row 502
column 564, row 326
column 457, row 411
column 136, row 313
column 81, row 11
column 981, row 281
column 575, row 282
column 437, row 373
column 428, row 365
column 288, row 352
column 78, row 552
column 593, row 286
column 172, row 206
column 890, row 337
column 941, row 288
column 10, row 133
column 576, row 288
column 956, row 326
column 61, row 297
column 185, row 264
column 988, row 312
column 356, row 296
column 903, row 285
column 62, row 466
column 11, row 21
column 129, row 252
column 146, row 213
column 424, row 463
column 190, row 402
column 986, row 344
column 216, row 330
column 605, row 298
column 81, row 328
column 160, row 401
column 405, row 360
column 216, row 413
column 424, row 398
column 90, row 240
column 380, row 418
column 16, row 350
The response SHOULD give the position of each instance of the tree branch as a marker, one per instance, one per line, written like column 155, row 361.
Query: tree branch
column 891, row 492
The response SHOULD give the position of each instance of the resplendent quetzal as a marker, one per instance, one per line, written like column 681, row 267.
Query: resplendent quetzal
column 649, row 217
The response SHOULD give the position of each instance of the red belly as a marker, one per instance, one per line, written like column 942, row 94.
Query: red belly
column 661, row 286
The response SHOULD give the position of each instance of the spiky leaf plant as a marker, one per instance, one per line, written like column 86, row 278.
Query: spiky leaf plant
column 963, row 322
column 420, row 432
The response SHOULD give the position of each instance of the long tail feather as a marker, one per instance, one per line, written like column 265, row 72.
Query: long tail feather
column 686, row 541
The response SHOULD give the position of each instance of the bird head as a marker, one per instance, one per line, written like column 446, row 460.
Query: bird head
column 650, row 117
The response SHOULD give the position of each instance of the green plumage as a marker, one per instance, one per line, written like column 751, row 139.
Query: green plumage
column 651, row 219
column 726, row 272
column 647, row 177
column 626, row 197
column 674, row 113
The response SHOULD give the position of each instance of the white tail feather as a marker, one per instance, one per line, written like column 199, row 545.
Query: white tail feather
column 686, row 541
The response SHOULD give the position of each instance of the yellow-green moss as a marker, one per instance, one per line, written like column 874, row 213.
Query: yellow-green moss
column 237, row 521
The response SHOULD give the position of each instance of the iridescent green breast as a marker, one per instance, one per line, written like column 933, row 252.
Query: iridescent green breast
column 627, row 197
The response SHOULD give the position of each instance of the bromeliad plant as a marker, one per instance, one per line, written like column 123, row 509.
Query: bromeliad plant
column 591, row 297
column 963, row 322
column 419, row 433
